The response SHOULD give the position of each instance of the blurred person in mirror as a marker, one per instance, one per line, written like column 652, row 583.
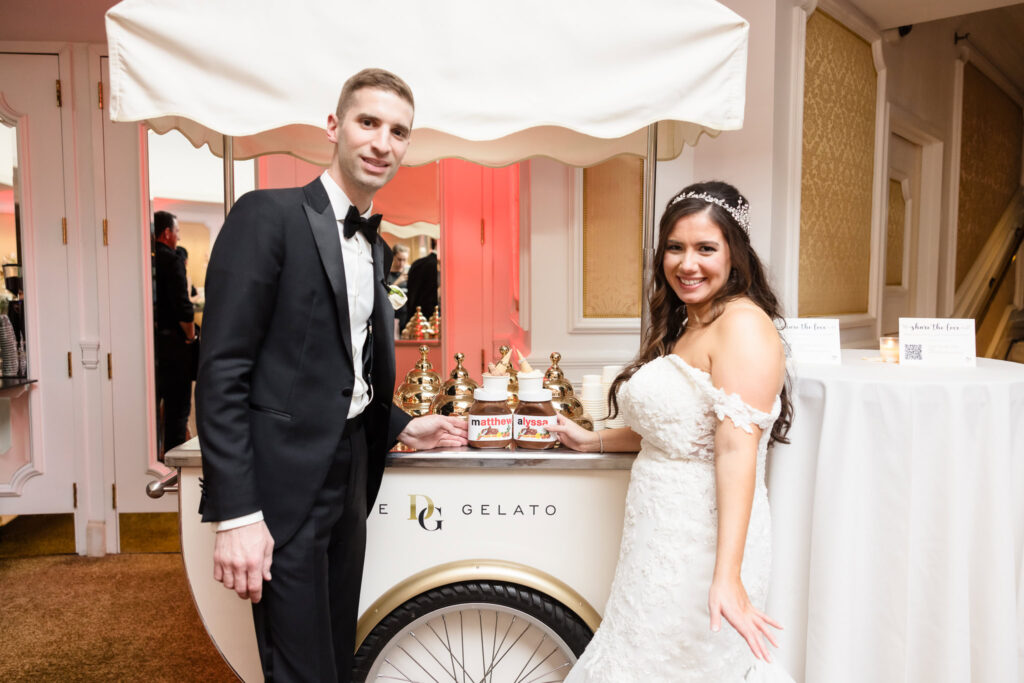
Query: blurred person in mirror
column 703, row 399
column 423, row 282
column 398, row 276
column 294, row 393
column 175, row 331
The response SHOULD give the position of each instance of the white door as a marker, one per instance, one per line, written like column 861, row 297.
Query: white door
column 125, row 206
column 37, row 440
column 902, row 234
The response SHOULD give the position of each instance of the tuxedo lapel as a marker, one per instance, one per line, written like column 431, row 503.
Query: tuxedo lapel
column 328, row 243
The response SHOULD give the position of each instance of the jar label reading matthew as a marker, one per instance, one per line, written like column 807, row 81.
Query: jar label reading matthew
column 535, row 428
column 490, row 427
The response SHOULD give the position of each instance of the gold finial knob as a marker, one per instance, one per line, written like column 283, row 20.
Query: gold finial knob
column 459, row 357
column 555, row 357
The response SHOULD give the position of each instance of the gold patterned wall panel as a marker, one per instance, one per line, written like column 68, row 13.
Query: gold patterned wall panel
column 613, row 238
column 990, row 150
column 838, row 166
column 894, row 234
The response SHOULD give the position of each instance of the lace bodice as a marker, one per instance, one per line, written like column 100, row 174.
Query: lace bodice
column 656, row 622
column 681, row 424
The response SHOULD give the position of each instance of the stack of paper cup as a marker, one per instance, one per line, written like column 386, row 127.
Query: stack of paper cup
column 592, row 397
column 608, row 375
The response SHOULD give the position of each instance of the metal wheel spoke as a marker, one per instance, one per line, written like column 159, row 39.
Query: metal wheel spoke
column 400, row 672
column 416, row 661
column 553, row 672
column 511, row 645
column 462, row 637
column 494, row 641
column 432, row 656
column 541, row 662
column 455, row 662
column 449, row 643
column 549, row 673
column 483, row 663
column 448, row 648
column 520, row 674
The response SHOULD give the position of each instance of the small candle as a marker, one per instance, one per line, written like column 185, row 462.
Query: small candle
column 889, row 347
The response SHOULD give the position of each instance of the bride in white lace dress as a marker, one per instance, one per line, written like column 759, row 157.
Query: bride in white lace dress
column 703, row 400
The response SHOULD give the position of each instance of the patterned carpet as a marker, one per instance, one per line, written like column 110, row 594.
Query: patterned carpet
column 126, row 617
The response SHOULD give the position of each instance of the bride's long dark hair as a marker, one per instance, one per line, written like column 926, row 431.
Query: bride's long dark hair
column 746, row 279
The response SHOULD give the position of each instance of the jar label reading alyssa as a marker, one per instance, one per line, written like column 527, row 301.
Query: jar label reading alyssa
column 535, row 428
column 490, row 427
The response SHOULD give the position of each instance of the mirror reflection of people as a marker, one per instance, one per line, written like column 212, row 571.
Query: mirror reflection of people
column 707, row 394
column 175, row 331
column 398, row 276
column 423, row 282
column 294, row 391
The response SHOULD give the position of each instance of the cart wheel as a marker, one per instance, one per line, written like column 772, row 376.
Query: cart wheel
column 477, row 631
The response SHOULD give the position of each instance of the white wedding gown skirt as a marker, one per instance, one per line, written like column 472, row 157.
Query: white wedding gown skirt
column 656, row 626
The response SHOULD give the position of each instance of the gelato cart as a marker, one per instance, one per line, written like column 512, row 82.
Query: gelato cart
column 480, row 565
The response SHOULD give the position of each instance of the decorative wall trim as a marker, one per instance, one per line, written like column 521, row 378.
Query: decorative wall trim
column 930, row 229
column 578, row 324
column 786, row 211
column 855, row 20
column 16, row 485
column 947, row 266
column 525, row 277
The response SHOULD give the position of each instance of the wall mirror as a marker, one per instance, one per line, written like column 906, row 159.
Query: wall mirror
column 411, row 208
column 12, row 304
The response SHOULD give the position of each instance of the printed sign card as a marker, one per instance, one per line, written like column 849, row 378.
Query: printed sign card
column 812, row 340
column 937, row 342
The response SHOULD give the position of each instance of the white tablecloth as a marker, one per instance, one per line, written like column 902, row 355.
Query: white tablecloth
column 898, row 524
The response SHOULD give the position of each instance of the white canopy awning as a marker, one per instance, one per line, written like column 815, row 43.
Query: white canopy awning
column 575, row 80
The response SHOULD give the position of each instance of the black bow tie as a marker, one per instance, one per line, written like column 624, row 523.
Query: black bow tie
column 354, row 222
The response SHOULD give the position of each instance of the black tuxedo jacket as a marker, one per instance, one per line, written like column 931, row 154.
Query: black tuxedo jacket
column 276, row 372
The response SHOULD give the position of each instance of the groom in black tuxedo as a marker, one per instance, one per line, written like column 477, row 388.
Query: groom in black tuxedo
column 294, row 391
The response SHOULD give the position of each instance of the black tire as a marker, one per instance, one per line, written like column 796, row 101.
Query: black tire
column 540, row 607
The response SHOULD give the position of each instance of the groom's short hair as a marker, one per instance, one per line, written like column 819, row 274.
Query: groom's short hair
column 372, row 78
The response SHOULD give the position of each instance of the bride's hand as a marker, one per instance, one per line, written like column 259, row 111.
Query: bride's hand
column 727, row 598
column 573, row 436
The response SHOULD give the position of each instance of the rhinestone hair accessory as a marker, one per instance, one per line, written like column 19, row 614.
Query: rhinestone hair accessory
column 740, row 212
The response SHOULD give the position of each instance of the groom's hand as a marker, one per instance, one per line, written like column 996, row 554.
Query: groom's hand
column 435, row 431
column 241, row 559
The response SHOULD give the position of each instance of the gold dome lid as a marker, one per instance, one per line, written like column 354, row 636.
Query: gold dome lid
column 554, row 379
column 459, row 383
column 421, row 385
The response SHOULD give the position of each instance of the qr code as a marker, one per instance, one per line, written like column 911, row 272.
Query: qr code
column 912, row 351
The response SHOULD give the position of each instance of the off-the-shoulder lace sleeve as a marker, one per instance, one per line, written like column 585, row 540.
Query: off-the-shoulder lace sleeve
column 742, row 414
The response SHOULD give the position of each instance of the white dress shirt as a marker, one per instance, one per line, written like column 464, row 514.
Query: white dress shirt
column 357, row 256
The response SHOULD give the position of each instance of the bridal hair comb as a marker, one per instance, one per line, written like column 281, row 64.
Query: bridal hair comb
column 740, row 212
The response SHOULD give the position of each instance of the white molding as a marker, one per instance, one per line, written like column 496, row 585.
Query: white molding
column 525, row 240
column 947, row 265
column 925, row 285
column 16, row 486
column 787, row 211
column 975, row 286
column 879, row 191
column 578, row 323
column 852, row 18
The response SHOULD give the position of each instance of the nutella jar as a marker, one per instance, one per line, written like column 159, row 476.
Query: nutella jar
column 534, row 414
column 490, row 419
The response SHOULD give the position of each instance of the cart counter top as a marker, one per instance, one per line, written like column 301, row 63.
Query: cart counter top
column 188, row 455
